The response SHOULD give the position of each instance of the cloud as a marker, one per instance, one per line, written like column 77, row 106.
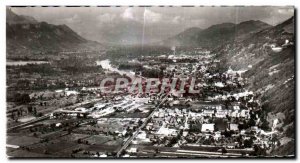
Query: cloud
column 285, row 10
column 106, row 18
column 177, row 19
column 160, row 22
column 128, row 14
column 74, row 19
column 151, row 16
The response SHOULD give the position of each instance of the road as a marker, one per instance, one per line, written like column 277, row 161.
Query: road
column 48, row 115
column 139, row 129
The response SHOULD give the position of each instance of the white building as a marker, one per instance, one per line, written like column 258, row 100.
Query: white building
column 210, row 127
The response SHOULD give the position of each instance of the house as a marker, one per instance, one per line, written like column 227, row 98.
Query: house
column 217, row 135
column 245, row 114
column 161, row 114
column 235, row 113
column 103, row 155
column 166, row 131
column 219, row 84
column 141, row 138
column 132, row 150
column 233, row 127
column 208, row 112
column 149, row 126
column 236, row 107
column 254, row 128
column 209, row 127
column 231, row 145
column 221, row 113
column 243, row 132
column 185, row 133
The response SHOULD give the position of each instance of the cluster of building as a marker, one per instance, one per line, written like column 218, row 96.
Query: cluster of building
column 222, row 118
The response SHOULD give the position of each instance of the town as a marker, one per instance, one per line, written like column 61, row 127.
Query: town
column 78, row 118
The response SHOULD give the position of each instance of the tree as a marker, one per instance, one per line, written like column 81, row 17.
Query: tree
column 278, row 143
column 224, row 150
column 39, row 114
column 22, row 98
column 248, row 143
column 227, row 134
column 46, row 151
column 258, row 151
column 29, row 109
column 34, row 111
column 265, row 124
column 251, row 122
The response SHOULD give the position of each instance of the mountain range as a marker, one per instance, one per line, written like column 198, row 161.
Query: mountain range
column 216, row 34
column 24, row 33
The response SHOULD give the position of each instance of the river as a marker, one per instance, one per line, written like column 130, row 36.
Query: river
column 23, row 63
column 106, row 65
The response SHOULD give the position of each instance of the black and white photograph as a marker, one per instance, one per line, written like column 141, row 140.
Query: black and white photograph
column 146, row 82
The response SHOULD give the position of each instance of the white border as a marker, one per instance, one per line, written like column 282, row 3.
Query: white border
column 5, row 3
column 152, row 2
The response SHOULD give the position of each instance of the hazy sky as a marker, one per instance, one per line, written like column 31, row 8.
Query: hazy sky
column 155, row 23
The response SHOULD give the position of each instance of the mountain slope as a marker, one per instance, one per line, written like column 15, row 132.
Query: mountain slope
column 42, row 36
column 269, row 57
column 12, row 18
column 26, row 34
column 216, row 35
column 187, row 37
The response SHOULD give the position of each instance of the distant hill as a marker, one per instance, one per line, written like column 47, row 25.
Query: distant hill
column 216, row 35
column 271, row 72
column 187, row 37
column 256, row 46
column 24, row 33
column 121, row 33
